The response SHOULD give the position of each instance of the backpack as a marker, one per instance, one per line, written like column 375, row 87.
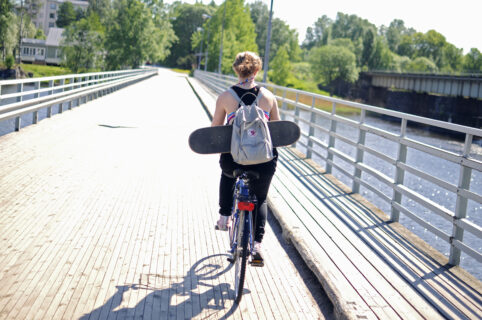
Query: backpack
column 251, row 140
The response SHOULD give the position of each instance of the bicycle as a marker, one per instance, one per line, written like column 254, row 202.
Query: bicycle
column 241, row 232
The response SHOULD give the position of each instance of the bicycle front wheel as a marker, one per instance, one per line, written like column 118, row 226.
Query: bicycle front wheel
column 240, row 262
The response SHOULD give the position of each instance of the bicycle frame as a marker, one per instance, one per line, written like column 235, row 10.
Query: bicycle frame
column 243, row 203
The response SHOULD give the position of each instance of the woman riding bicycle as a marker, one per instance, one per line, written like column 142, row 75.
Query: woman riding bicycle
column 246, row 65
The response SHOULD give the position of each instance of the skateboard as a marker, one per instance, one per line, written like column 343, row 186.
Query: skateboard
column 217, row 139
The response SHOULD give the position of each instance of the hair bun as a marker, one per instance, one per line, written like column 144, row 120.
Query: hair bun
column 246, row 64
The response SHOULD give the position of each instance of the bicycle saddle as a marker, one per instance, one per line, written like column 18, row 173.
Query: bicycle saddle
column 250, row 174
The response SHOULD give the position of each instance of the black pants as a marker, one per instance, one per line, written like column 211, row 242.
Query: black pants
column 259, row 187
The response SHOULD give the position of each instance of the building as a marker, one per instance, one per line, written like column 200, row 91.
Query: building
column 43, row 51
column 47, row 14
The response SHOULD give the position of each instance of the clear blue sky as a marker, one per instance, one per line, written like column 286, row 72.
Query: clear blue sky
column 459, row 21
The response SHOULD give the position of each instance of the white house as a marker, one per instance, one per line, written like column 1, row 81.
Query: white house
column 43, row 51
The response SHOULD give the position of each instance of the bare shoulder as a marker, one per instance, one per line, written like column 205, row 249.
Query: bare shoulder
column 266, row 93
column 226, row 97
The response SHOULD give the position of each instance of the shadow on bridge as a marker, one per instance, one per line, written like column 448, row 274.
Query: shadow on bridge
column 160, row 302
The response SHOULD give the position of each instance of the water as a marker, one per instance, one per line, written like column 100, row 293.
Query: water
column 8, row 126
column 440, row 168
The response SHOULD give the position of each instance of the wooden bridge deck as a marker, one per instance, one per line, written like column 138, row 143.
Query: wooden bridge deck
column 105, row 213
column 370, row 267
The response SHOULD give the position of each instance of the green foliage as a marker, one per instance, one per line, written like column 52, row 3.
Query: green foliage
column 350, row 26
column 39, row 34
column 82, row 44
column 103, row 8
column 281, row 33
column 9, row 61
column 473, row 61
column 44, row 71
column 238, row 34
column 330, row 64
column 5, row 22
column 137, row 34
column 280, row 67
column 319, row 34
column 186, row 19
column 422, row 64
column 66, row 15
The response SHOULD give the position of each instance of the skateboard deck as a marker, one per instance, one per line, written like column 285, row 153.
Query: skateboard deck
column 217, row 139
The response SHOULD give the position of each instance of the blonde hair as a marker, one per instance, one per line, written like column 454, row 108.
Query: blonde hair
column 246, row 64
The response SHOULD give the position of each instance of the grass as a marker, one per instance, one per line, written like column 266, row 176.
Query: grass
column 44, row 71
column 181, row 71
column 321, row 104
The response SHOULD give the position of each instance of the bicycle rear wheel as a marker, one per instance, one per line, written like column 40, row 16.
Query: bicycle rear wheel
column 241, row 261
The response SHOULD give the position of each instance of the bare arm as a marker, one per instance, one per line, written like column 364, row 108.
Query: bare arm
column 274, row 111
column 274, row 114
column 220, row 112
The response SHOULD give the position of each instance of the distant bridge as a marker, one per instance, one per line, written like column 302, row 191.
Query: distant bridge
column 450, row 85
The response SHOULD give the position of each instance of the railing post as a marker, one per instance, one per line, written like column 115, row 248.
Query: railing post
column 461, row 203
column 283, row 105
column 331, row 140
column 35, row 96
column 359, row 153
column 297, row 113
column 399, row 172
column 18, row 120
column 61, row 109
column 311, row 133
column 49, row 108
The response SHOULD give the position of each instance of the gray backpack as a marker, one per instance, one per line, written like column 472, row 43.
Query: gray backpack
column 251, row 140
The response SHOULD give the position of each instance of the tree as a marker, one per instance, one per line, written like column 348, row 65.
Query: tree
column 281, row 33
column 82, row 44
column 238, row 35
column 422, row 64
column 473, row 61
column 332, row 64
column 280, row 66
column 39, row 34
column 102, row 8
column 5, row 18
column 134, row 35
column 396, row 30
column 66, row 15
column 319, row 34
column 452, row 58
column 187, row 19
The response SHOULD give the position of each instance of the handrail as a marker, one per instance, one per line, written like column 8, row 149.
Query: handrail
column 334, row 157
column 80, row 86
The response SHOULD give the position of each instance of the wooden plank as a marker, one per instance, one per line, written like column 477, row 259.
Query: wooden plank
column 398, row 251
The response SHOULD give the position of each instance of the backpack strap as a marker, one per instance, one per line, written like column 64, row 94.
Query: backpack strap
column 240, row 101
column 235, row 95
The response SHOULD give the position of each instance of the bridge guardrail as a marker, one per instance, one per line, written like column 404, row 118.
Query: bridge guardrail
column 312, row 145
column 33, row 94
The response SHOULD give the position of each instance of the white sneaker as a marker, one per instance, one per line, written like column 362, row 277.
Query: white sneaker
column 257, row 258
column 222, row 223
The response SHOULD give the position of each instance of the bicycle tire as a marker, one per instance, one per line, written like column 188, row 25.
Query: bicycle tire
column 241, row 261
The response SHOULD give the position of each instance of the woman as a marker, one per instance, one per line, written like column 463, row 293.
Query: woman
column 246, row 65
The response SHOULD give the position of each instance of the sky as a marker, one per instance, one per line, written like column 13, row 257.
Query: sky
column 459, row 21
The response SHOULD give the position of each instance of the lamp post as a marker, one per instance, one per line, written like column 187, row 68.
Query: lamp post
column 222, row 36
column 201, row 49
column 268, row 43
column 206, row 16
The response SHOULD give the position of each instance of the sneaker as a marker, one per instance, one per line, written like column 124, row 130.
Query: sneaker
column 222, row 223
column 257, row 258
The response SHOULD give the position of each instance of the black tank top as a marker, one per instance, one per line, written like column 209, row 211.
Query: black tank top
column 245, row 96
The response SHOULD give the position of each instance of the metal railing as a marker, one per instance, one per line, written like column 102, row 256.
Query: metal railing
column 24, row 96
column 362, row 173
